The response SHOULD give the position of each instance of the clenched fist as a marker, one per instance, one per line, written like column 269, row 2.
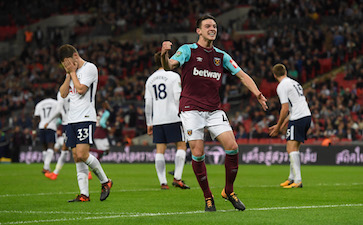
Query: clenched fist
column 165, row 47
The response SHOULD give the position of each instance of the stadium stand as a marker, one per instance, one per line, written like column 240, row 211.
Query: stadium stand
column 320, row 42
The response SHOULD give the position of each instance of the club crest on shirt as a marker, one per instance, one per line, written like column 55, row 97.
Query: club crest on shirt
column 217, row 61
column 189, row 132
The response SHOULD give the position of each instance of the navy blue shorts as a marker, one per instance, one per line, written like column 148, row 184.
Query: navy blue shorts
column 297, row 129
column 46, row 136
column 168, row 133
column 80, row 133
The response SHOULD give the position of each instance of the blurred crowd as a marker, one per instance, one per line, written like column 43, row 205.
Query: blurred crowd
column 308, row 51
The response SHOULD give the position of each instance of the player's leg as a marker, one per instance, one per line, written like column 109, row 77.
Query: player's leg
column 292, row 148
column 84, row 139
column 174, row 134
column 61, row 160
column 231, row 162
column 102, row 147
column 295, row 135
column 49, row 140
column 219, row 128
column 159, row 138
column 193, row 125
column 229, row 143
column 82, row 173
column 160, row 165
column 179, row 165
column 200, row 171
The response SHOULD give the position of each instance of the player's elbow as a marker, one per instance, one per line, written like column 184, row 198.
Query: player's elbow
column 64, row 95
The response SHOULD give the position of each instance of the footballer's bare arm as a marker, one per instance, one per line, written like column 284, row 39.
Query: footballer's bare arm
column 251, row 85
column 166, row 62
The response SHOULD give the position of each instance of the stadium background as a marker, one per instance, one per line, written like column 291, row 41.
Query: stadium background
column 320, row 42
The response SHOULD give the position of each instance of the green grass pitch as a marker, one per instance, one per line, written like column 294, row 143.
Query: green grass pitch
column 331, row 195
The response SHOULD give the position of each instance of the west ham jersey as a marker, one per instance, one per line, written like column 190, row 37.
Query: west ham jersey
column 290, row 91
column 82, row 107
column 163, row 88
column 201, row 78
column 45, row 109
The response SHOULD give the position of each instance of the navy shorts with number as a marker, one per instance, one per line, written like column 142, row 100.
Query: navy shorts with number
column 297, row 129
column 47, row 136
column 80, row 133
column 168, row 133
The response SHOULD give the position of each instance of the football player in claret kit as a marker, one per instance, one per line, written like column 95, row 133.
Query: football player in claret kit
column 162, row 93
column 101, row 132
column 43, row 110
column 202, row 68
column 81, row 84
column 293, row 102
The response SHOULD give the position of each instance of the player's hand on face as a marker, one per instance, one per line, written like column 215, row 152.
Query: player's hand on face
column 263, row 101
column 69, row 65
column 165, row 47
column 274, row 131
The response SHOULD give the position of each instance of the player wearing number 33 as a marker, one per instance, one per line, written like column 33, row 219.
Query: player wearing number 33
column 294, row 102
column 202, row 67
column 81, row 84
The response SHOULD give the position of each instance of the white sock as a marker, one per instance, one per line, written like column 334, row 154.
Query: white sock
column 291, row 175
column 44, row 154
column 48, row 159
column 82, row 177
column 61, row 161
column 160, row 168
column 295, row 163
column 96, row 168
column 179, row 164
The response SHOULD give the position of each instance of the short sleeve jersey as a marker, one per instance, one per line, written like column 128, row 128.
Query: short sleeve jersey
column 82, row 107
column 201, row 78
column 45, row 109
column 290, row 91
column 163, row 87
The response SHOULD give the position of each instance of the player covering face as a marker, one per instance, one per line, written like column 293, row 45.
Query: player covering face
column 81, row 84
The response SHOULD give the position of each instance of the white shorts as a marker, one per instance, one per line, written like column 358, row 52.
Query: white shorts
column 195, row 121
column 102, row 144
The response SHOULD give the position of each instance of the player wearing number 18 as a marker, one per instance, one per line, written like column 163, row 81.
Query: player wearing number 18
column 162, row 93
column 294, row 102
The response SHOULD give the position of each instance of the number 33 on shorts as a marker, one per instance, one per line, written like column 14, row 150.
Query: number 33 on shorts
column 82, row 134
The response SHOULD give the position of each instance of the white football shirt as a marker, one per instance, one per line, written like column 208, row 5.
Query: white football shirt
column 82, row 107
column 290, row 91
column 62, row 109
column 162, row 91
column 45, row 109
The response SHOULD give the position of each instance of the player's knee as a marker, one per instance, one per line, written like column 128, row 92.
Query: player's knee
column 231, row 146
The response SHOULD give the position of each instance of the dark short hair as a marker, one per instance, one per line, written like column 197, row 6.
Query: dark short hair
column 279, row 70
column 157, row 59
column 66, row 51
column 205, row 17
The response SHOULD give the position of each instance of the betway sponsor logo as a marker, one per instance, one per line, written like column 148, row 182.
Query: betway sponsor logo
column 206, row 73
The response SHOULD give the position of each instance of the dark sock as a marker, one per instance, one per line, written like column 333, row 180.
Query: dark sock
column 200, row 172
column 231, row 165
